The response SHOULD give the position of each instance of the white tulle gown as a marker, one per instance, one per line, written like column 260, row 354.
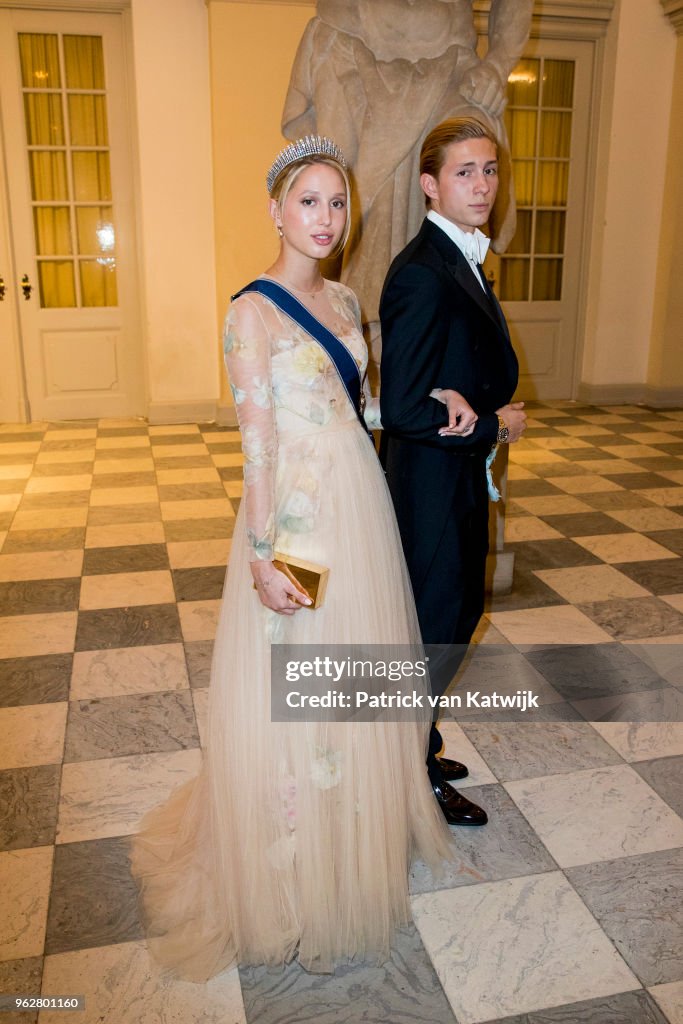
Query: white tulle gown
column 296, row 839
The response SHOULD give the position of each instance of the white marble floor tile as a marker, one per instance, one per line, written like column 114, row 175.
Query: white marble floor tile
column 19, row 447
column 124, row 589
column 675, row 600
column 55, row 484
column 517, row 472
column 199, row 619
column 123, row 534
column 223, row 459
column 127, row 670
column 70, row 434
column 553, row 505
column 66, row 455
column 558, row 443
column 670, row 998
column 122, row 985
column 590, row 583
column 234, row 488
column 9, row 502
column 32, row 734
column 202, row 508
column 18, row 472
column 187, row 476
column 191, row 554
column 664, row 495
column 123, row 496
column 43, row 565
column 557, row 624
column 24, row 635
column 3, row 535
column 652, row 437
column 641, row 741
column 200, row 699
column 675, row 475
column 25, row 877
column 458, row 747
column 647, row 518
column 583, row 430
column 50, row 518
column 610, row 466
column 170, row 451
column 486, row 633
column 597, row 814
column 585, row 484
column 111, row 797
column 510, row 947
column 665, row 658
column 623, row 547
column 633, row 451
column 529, row 528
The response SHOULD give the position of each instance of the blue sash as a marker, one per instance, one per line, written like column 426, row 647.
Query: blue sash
column 342, row 360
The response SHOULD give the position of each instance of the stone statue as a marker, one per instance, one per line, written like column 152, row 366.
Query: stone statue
column 376, row 75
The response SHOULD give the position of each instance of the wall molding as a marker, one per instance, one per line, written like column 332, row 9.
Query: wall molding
column 560, row 19
column 99, row 6
column 674, row 12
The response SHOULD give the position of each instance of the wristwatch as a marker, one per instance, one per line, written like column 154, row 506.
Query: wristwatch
column 503, row 431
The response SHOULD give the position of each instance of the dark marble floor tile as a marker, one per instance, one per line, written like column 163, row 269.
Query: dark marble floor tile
column 662, row 704
column 12, row 486
column 10, row 437
column 670, row 447
column 140, row 431
column 198, row 529
column 128, row 627
column 585, row 524
column 550, row 554
column 671, row 539
column 507, row 848
column 42, row 679
column 661, row 576
column 63, row 468
column 527, row 592
column 626, row 1008
column 68, row 444
column 216, row 428
column 110, row 515
column 58, row 499
column 584, row 454
column 193, row 437
column 635, row 481
column 21, row 977
column 635, row 617
column 102, row 481
column 636, row 901
column 203, row 584
column 6, row 520
column 226, row 448
column 405, row 990
column 136, row 724
column 93, row 901
column 28, row 806
column 17, row 460
column 583, row 671
column 616, row 499
column 665, row 775
column 191, row 492
column 32, row 597
column 542, row 431
column 531, row 488
column 142, row 451
column 198, row 655
column 19, row 541
column 130, row 558
column 183, row 461
column 658, row 464
column 235, row 502
column 231, row 472
column 527, row 750
column 551, row 469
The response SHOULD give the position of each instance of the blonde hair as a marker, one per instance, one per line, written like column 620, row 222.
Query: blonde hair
column 455, row 129
column 283, row 184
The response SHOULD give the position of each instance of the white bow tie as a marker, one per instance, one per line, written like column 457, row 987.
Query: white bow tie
column 476, row 245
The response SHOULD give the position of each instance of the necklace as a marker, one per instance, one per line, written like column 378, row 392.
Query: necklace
column 304, row 291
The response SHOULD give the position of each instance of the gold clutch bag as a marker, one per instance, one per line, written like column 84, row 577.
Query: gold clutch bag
column 306, row 576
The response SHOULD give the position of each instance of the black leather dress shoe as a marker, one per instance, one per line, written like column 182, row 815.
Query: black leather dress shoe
column 456, row 808
column 452, row 770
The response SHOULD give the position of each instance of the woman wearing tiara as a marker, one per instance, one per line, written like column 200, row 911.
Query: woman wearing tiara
column 296, row 838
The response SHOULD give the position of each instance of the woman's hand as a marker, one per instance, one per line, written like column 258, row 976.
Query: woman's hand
column 462, row 418
column 275, row 591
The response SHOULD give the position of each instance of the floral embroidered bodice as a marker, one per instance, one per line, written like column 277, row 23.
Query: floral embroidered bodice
column 286, row 390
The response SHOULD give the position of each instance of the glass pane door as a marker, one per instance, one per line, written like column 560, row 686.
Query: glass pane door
column 539, row 126
column 67, row 138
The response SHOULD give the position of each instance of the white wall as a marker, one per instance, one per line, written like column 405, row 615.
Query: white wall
column 171, row 68
column 630, row 185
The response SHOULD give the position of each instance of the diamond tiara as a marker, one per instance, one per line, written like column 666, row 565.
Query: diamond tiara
column 311, row 145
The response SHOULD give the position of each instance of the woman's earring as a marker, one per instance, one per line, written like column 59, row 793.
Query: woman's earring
column 280, row 231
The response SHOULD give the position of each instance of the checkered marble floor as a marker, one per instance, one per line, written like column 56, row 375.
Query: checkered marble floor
column 564, row 909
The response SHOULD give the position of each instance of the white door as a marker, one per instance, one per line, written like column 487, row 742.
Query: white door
column 540, row 280
column 69, row 182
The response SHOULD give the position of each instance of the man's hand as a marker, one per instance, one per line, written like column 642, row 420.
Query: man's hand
column 462, row 418
column 514, row 418
column 482, row 85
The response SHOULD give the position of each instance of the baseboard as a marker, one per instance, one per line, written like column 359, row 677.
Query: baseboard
column 199, row 411
column 226, row 415
column 499, row 569
column 664, row 398
column 611, row 394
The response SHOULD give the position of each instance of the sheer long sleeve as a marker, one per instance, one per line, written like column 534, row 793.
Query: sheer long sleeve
column 248, row 362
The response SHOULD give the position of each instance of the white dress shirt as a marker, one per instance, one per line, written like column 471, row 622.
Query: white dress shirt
column 472, row 244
